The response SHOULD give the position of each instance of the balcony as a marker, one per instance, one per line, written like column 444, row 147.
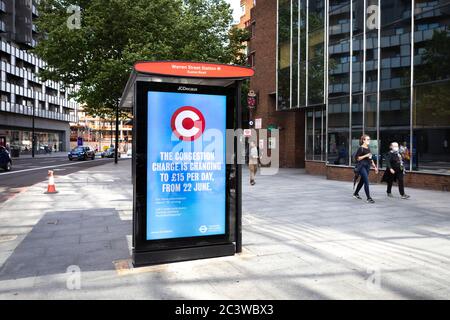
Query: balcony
column 340, row 28
column 25, row 110
column 339, row 88
column 34, row 10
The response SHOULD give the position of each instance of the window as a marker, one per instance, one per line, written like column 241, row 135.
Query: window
column 316, row 52
column 431, row 139
column 284, row 54
column 251, row 59
column 309, row 134
column 315, row 133
column 431, row 95
column 338, row 131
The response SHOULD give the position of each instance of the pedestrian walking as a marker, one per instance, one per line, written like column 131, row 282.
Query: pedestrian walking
column 395, row 171
column 363, row 158
column 253, row 161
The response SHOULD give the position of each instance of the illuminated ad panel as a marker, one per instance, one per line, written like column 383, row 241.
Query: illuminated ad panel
column 186, row 185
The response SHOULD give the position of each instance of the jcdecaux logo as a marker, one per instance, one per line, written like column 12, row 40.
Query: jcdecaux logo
column 188, row 123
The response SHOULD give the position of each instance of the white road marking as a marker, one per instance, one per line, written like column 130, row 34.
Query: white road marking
column 48, row 167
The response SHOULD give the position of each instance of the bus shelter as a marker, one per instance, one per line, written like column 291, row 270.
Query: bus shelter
column 185, row 172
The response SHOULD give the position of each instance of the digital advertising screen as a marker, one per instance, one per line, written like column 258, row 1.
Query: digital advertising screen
column 186, row 169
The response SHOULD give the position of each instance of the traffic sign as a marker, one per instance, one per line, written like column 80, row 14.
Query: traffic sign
column 251, row 99
column 258, row 123
column 251, row 102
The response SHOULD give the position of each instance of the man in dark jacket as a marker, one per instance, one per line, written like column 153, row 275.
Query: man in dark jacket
column 395, row 171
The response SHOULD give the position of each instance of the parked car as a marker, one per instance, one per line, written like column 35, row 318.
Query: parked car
column 45, row 149
column 81, row 153
column 109, row 153
column 5, row 159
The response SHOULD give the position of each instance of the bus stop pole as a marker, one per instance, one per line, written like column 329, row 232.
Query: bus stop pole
column 238, row 170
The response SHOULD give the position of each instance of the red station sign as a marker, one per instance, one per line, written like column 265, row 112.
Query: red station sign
column 193, row 69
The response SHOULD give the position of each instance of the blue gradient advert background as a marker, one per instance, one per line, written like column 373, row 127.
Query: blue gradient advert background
column 196, row 209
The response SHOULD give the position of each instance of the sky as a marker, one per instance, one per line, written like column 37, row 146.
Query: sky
column 235, row 5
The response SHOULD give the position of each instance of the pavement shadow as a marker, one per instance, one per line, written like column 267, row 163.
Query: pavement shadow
column 89, row 238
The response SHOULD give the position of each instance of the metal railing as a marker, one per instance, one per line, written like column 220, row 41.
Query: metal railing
column 40, row 113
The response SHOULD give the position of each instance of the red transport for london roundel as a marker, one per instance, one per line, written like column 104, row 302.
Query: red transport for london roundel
column 188, row 123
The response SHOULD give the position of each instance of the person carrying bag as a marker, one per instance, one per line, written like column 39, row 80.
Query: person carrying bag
column 395, row 171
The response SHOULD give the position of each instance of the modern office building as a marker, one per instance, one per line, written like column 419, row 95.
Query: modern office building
column 24, row 98
column 342, row 68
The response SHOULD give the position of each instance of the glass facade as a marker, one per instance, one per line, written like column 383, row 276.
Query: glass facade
column 301, row 53
column 284, row 54
column 316, row 134
column 21, row 140
column 431, row 90
column 368, row 66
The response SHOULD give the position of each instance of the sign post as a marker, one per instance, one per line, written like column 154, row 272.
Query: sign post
column 187, row 197
column 251, row 104
column 251, row 99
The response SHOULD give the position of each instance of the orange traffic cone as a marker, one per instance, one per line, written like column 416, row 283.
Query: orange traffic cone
column 51, row 183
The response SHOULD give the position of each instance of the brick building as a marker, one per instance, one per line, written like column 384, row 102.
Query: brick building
column 263, row 48
column 245, row 7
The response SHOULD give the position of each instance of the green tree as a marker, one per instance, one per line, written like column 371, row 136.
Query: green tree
column 113, row 34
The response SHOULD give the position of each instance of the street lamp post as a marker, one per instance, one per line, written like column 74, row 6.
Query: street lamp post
column 33, row 142
column 111, row 132
column 117, row 135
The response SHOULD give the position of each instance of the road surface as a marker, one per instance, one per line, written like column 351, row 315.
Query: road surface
column 27, row 172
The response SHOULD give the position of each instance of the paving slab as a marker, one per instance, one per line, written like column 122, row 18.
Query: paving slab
column 304, row 237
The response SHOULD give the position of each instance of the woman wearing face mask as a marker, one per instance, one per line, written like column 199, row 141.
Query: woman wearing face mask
column 395, row 171
column 364, row 161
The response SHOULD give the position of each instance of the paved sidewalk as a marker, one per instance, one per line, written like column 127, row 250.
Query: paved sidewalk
column 304, row 238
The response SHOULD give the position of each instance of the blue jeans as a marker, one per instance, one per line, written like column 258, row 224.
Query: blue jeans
column 364, row 180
